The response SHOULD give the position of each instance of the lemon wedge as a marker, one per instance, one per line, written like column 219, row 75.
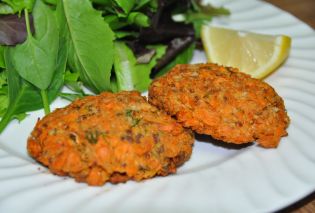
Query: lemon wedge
column 255, row 54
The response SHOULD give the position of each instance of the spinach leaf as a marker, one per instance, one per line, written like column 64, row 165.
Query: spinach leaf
column 2, row 64
column 71, row 96
column 20, row 116
column 19, row 5
column 183, row 58
column 71, row 80
column 35, row 60
column 91, row 44
column 3, row 78
column 4, row 97
column 4, row 100
column 23, row 96
column 129, row 74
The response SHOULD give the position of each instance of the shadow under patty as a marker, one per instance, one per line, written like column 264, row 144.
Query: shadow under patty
column 219, row 143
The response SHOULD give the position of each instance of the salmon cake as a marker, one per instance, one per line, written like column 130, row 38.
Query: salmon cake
column 222, row 102
column 110, row 138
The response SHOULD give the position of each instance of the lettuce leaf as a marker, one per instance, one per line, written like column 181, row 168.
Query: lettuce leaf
column 91, row 47
column 129, row 74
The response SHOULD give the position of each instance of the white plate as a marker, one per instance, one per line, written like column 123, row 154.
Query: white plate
column 216, row 179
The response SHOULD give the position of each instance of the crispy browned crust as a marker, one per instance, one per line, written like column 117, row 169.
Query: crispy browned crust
column 110, row 137
column 222, row 102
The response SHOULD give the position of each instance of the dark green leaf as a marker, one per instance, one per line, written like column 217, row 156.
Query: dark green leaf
column 91, row 44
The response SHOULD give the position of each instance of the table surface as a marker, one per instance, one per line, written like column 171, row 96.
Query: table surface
column 305, row 11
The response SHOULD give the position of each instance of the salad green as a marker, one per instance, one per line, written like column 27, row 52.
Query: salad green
column 101, row 45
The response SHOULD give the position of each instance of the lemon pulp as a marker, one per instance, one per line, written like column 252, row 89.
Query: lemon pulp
column 255, row 54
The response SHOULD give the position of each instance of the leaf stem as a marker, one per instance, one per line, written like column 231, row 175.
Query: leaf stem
column 27, row 22
column 5, row 119
column 43, row 93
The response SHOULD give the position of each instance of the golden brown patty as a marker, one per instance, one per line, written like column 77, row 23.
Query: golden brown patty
column 222, row 102
column 110, row 137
